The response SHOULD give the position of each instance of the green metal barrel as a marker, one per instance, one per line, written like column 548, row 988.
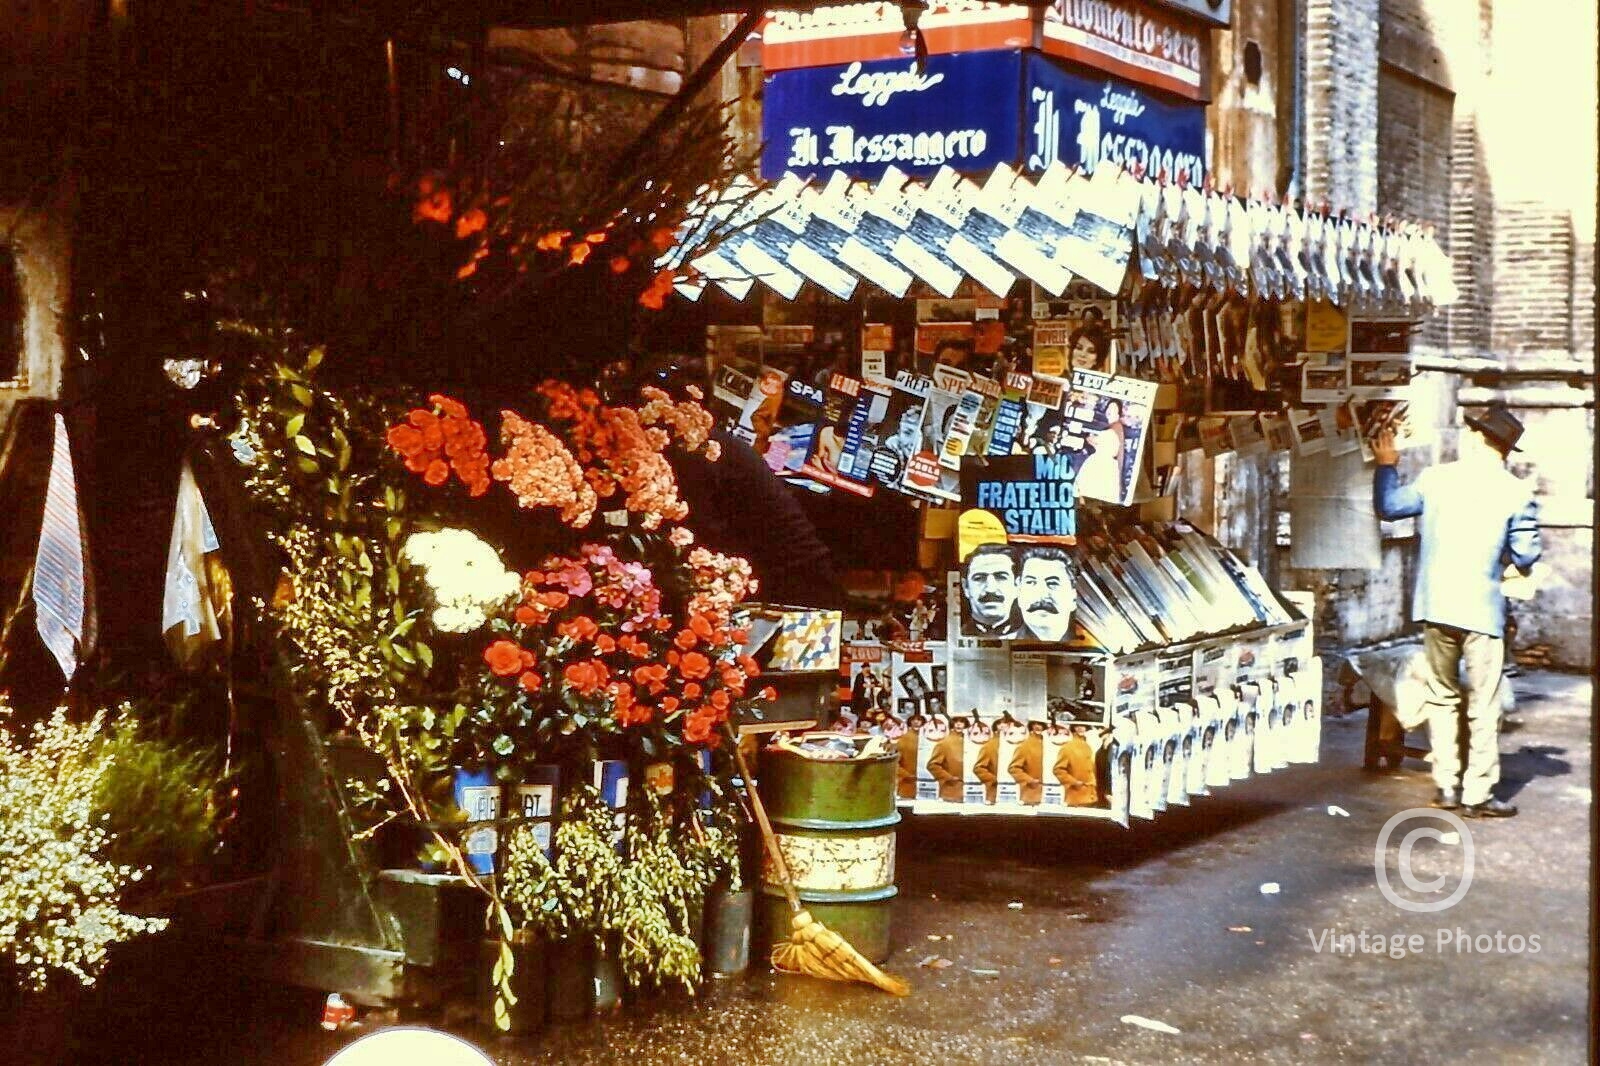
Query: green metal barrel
column 835, row 824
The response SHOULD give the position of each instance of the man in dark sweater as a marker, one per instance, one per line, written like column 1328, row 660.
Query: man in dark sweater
column 738, row 506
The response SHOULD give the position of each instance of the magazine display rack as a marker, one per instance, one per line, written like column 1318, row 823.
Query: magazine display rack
column 1187, row 673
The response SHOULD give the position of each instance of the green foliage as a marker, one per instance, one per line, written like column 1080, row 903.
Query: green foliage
column 160, row 798
column 645, row 891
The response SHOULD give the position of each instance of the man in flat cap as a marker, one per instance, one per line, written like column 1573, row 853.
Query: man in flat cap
column 1475, row 518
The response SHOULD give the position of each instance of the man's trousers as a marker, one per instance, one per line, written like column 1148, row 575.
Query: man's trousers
column 1465, row 674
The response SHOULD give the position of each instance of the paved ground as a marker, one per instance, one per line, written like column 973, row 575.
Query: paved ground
column 1166, row 921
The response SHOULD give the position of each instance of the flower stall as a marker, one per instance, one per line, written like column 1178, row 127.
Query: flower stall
column 503, row 664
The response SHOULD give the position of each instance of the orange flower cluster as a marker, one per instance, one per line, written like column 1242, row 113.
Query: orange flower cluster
column 720, row 582
column 541, row 472
column 654, row 296
column 507, row 658
column 688, row 422
column 618, row 451
column 437, row 442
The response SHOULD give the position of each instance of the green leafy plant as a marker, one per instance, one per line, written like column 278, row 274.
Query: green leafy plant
column 644, row 892
column 160, row 798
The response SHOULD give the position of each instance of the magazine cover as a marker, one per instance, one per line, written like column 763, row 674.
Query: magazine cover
column 1262, row 727
column 1075, row 687
column 1308, row 690
column 1172, row 768
column 978, row 759
column 1144, row 780
column 1054, row 762
column 942, row 752
column 1082, row 325
column 1010, row 413
column 1121, row 750
column 1107, row 419
column 1076, row 752
column 1216, row 714
column 981, row 433
column 790, row 435
column 1278, row 720
column 1241, row 740
column 838, row 456
column 1016, row 592
column 980, row 679
column 1042, row 419
column 757, row 417
column 1162, row 749
column 865, row 671
column 896, row 436
column 1009, row 737
column 924, row 475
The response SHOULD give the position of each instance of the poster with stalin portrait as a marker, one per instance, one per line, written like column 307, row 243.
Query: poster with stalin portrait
column 1015, row 540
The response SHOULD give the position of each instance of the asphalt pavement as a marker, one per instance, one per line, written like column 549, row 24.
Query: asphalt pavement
column 1032, row 941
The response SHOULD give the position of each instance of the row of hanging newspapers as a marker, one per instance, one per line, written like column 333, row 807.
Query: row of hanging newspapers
column 1110, row 228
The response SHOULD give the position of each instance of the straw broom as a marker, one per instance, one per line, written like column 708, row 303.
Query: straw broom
column 812, row 948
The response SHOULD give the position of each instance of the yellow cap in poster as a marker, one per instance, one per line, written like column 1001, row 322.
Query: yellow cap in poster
column 976, row 527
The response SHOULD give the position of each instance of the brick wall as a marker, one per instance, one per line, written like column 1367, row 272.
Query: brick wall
column 1414, row 146
column 1341, row 103
column 1534, row 292
column 1466, row 323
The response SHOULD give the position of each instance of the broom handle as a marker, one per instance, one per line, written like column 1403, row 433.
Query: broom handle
column 767, row 834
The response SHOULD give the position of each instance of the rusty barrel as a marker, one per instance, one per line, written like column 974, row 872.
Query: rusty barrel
column 835, row 823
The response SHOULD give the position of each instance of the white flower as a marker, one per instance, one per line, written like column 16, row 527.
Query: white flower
column 464, row 575
column 454, row 619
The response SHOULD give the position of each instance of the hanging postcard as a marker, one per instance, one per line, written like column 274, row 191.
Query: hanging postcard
column 1324, row 378
column 869, row 250
column 917, row 248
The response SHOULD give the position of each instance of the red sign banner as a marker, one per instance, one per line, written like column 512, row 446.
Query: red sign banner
column 1132, row 40
column 849, row 33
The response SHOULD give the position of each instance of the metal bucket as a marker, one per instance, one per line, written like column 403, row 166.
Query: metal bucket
column 527, row 982
column 726, row 942
column 835, row 826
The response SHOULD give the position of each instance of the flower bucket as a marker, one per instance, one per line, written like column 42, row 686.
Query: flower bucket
column 527, row 981
column 534, row 799
column 569, row 978
column 726, row 943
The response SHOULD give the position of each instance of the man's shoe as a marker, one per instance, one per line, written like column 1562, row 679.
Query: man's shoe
column 1490, row 808
column 1446, row 799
